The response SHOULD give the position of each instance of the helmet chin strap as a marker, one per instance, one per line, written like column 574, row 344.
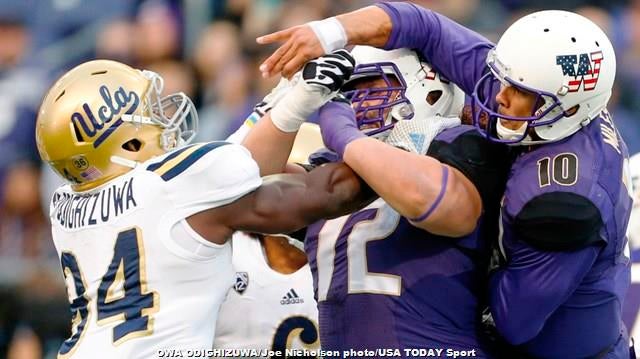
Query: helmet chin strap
column 124, row 162
column 400, row 112
column 505, row 133
column 403, row 111
column 133, row 164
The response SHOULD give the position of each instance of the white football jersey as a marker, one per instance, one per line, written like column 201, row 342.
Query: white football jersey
column 141, row 282
column 266, row 310
column 634, row 220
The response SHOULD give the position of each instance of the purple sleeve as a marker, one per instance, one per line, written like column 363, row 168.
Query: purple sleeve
column 456, row 52
column 550, row 278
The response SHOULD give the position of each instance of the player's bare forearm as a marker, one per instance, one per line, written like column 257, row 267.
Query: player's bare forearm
column 367, row 26
column 269, row 146
column 411, row 183
column 338, row 190
column 328, row 191
column 285, row 203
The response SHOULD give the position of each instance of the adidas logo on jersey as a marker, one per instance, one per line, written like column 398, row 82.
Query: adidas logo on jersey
column 291, row 298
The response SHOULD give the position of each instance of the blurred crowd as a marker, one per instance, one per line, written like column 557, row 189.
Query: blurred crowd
column 207, row 49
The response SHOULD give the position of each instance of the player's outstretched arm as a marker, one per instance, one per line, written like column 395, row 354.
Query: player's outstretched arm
column 455, row 51
column 287, row 202
column 366, row 26
column 434, row 196
column 271, row 138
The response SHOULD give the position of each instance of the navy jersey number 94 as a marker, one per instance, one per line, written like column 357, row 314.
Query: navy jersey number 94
column 122, row 294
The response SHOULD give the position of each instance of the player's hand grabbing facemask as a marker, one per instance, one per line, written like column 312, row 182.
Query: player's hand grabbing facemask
column 320, row 81
column 329, row 72
column 415, row 135
column 301, row 95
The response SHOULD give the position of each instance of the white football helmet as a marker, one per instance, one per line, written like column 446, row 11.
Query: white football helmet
column 563, row 58
column 421, row 93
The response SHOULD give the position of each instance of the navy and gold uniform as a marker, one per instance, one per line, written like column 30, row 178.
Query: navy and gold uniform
column 158, row 284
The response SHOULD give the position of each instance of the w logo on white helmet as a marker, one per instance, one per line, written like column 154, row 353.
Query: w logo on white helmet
column 587, row 72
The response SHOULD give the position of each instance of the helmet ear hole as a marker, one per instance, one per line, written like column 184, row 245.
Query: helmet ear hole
column 133, row 145
column 572, row 111
column 433, row 96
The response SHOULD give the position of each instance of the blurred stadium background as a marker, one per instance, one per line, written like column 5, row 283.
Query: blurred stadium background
column 207, row 49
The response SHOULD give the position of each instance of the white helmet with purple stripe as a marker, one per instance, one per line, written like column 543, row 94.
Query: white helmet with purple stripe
column 418, row 93
column 564, row 59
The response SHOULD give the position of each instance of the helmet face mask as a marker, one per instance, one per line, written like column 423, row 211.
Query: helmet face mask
column 372, row 104
column 102, row 118
column 564, row 60
column 175, row 113
column 406, row 88
column 546, row 107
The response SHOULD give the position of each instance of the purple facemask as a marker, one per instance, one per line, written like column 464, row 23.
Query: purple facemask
column 485, row 107
column 371, row 118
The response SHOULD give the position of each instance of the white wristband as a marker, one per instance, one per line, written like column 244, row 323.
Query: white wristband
column 297, row 105
column 330, row 33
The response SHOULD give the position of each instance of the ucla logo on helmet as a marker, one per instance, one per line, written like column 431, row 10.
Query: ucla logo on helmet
column 587, row 71
column 113, row 105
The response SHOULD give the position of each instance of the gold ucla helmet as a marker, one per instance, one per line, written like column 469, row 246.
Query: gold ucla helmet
column 102, row 118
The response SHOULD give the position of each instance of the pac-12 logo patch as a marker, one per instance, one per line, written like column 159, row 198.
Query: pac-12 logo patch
column 587, row 70
column 242, row 281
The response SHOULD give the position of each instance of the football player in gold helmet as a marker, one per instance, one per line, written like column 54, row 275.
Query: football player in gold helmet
column 143, row 223
column 103, row 117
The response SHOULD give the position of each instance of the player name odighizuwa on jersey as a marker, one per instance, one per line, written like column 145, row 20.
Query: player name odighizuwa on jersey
column 79, row 210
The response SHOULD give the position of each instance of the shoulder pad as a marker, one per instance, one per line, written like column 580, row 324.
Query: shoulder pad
column 559, row 221
column 207, row 175
column 485, row 163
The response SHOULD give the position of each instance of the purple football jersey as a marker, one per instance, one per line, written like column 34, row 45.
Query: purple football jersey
column 567, row 304
column 562, row 304
column 384, row 283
